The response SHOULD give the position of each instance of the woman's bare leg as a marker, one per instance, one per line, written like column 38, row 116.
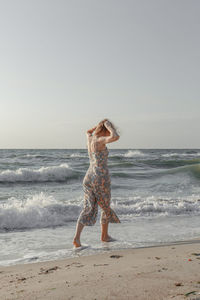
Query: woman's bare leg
column 104, row 233
column 76, row 240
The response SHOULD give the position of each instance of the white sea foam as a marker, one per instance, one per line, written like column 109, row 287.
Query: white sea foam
column 37, row 211
column 52, row 173
column 174, row 154
column 42, row 210
column 133, row 153
column 152, row 206
column 32, row 155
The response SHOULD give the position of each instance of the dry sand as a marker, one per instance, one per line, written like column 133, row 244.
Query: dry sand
column 155, row 273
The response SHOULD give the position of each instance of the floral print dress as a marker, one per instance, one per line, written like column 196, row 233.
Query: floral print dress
column 96, row 186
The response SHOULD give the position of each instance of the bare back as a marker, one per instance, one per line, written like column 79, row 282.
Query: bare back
column 95, row 144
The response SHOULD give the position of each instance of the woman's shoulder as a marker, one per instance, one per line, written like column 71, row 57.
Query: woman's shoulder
column 94, row 144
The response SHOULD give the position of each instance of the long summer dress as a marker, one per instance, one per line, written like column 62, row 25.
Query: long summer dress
column 97, row 191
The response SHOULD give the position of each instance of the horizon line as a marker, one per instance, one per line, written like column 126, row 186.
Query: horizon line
column 129, row 148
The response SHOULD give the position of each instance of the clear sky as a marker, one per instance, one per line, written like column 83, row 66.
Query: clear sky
column 66, row 64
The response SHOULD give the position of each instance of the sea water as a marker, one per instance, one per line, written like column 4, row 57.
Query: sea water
column 155, row 193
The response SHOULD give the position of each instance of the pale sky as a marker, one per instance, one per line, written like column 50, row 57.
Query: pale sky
column 67, row 64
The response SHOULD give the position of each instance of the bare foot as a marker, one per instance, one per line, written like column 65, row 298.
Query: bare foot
column 76, row 243
column 107, row 239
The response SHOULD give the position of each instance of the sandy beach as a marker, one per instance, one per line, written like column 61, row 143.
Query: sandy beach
column 163, row 272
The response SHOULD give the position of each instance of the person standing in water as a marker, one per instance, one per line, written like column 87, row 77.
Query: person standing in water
column 96, row 183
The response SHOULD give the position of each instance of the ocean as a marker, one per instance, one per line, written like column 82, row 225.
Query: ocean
column 155, row 193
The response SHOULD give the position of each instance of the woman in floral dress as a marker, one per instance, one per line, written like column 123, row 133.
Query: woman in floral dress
column 96, row 183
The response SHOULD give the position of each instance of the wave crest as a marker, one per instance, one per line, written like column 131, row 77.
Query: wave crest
column 134, row 153
column 43, row 174
column 153, row 206
column 37, row 211
column 174, row 154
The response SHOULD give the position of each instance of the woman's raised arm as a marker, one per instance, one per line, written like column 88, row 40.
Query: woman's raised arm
column 114, row 136
column 90, row 131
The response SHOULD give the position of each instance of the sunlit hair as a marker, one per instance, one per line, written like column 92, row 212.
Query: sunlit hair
column 102, row 129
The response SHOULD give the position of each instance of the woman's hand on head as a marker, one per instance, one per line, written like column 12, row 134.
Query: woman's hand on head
column 90, row 131
column 109, row 125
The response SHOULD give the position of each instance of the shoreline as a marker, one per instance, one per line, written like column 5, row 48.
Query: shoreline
column 162, row 244
column 155, row 272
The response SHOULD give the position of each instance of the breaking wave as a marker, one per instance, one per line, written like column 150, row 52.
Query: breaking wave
column 133, row 153
column 42, row 210
column 38, row 211
column 44, row 174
